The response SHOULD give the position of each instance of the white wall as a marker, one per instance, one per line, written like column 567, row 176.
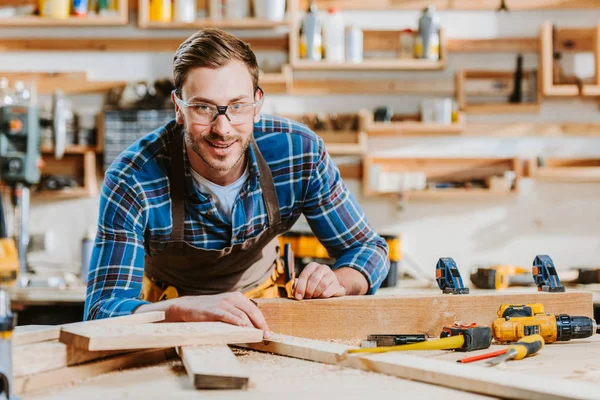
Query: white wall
column 557, row 219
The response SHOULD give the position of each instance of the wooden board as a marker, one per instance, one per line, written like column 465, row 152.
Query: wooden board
column 304, row 349
column 106, row 44
column 425, row 368
column 147, row 336
column 476, row 379
column 355, row 317
column 213, row 367
column 68, row 82
column 75, row 374
column 44, row 356
column 494, row 45
column 39, row 333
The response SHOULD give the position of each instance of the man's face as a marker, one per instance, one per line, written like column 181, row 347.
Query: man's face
column 221, row 145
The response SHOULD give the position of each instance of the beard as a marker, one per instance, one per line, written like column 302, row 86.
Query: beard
column 199, row 143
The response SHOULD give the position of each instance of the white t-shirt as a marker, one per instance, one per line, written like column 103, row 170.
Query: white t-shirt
column 223, row 196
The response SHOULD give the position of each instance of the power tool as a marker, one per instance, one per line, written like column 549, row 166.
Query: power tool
column 7, row 324
column 518, row 320
column 448, row 277
column 457, row 337
column 545, row 276
column 500, row 277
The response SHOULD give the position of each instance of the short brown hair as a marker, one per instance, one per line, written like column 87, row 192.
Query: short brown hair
column 211, row 48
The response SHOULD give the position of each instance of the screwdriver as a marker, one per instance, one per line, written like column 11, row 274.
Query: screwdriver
column 527, row 346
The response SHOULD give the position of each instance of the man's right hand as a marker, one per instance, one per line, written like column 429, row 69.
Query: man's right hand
column 232, row 308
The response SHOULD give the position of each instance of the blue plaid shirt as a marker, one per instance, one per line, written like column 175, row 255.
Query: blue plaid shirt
column 135, row 211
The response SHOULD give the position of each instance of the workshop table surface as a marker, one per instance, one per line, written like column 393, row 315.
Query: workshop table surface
column 576, row 360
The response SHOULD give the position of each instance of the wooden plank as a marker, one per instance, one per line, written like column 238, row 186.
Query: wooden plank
column 44, row 356
column 68, row 82
column 355, row 317
column 375, row 64
column 78, row 373
column 241, row 23
column 108, row 44
column 474, row 379
column 213, row 367
column 552, row 4
column 576, row 40
column 147, row 336
column 38, row 333
column 373, row 86
column 302, row 348
column 503, row 108
column 34, row 333
column 470, row 378
column 494, row 45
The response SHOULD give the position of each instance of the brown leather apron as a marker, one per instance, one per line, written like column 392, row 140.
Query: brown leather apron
column 181, row 269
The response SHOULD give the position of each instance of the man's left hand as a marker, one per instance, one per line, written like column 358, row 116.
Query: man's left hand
column 320, row 281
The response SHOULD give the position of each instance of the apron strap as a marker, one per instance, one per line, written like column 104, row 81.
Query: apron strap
column 268, row 187
column 177, row 179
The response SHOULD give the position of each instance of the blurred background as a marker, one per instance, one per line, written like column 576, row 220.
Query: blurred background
column 465, row 128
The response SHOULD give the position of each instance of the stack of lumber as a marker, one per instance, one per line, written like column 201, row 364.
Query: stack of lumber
column 46, row 356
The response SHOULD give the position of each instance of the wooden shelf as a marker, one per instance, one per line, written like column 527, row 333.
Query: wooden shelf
column 276, row 82
column 568, row 170
column 503, row 108
column 411, row 128
column 65, row 194
column 242, row 23
column 92, row 20
column 31, row 21
column 380, row 169
column 74, row 149
column 574, row 40
column 373, row 65
column 344, row 143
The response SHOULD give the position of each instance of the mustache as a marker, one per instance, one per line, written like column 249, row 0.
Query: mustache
column 212, row 136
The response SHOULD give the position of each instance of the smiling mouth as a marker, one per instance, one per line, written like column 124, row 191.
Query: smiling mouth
column 220, row 146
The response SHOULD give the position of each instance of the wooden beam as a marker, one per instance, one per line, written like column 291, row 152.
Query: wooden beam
column 492, row 382
column 38, row 333
column 577, row 40
column 44, row 356
column 372, row 86
column 148, row 336
column 355, row 317
column 153, row 45
column 302, row 348
column 68, row 82
column 520, row 5
column 494, row 45
column 68, row 375
column 213, row 367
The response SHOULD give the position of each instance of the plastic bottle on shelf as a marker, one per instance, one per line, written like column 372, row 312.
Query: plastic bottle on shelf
column 333, row 35
column 427, row 41
column 160, row 10
column 354, row 44
column 185, row 11
column 311, row 41
column 216, row 9
column 237, row 9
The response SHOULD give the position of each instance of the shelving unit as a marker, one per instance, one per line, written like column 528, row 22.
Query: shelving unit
column 504, row 79
column 386, row 41
column 241, row 23
column 440, row 170
column 73, row 21
column 77, row 162
column 568, row 170
column 412, row 127
column 348, row 141
column 568, row 40
column 276, row 82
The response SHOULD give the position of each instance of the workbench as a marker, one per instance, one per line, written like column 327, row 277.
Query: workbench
column 292, row 378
